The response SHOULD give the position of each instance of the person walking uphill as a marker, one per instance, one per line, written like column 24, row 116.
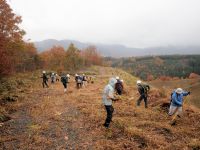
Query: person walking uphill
column 107, row 98
column 143, row 90
column 44, row 79
column 177, row 102
column 64, row 80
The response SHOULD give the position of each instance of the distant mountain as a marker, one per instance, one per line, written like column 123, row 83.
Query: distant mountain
column 119, row 50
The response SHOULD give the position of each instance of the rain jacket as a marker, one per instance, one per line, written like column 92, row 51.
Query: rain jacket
column 109, row 92
column 177, row 99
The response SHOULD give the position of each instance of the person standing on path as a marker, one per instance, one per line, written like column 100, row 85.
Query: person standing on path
column 44, row 79
column 107, row 98
column 143, row 91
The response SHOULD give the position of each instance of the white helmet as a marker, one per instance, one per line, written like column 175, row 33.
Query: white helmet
column 179, row 90
column 117, row 78
column 139, row 82
column 43, row 71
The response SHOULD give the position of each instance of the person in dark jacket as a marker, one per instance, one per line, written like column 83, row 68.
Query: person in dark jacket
column 143, row 91
column 79, row 81
column 177, row 101
column 64, row 80
column 119, row 86
column 44, row 79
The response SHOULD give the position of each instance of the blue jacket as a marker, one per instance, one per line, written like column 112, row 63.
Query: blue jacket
column 177, row 99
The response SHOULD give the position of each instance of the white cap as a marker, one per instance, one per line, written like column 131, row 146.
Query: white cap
column 122, row 80
column 139, row 81
column 68, row 75
column 179, row 90
column 117, row 77
column 43, row 71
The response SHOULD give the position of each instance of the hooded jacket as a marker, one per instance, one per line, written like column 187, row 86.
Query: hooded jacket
column 177, row 99
column 109, row 92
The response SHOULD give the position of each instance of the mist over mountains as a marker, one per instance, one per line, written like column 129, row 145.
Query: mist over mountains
column 117, row 50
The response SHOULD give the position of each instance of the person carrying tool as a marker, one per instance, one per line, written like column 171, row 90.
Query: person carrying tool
column 107, row 98
column 52, row 77
column 44, row 79
column 64, row 80
column 143, row 91
column 79, row 81
column 176, row 103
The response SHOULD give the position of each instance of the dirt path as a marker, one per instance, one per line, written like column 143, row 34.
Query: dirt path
column 51, row 119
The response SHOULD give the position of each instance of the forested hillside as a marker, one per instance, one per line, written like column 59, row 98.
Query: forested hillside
column 146, row 67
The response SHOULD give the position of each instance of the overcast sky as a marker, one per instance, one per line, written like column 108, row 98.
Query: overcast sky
column 134, row 23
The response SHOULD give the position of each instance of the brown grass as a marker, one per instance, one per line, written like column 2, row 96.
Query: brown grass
column 52, row 119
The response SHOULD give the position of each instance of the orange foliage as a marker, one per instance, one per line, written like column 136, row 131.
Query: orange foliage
column 193, row 76
column 91, row 56
column 53, row 58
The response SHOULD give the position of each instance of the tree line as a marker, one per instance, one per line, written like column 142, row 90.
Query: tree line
column 177, row 66
column 16, row 55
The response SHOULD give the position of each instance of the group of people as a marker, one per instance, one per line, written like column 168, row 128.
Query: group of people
column 81, row 80
column 116, row 87
column 113, row 87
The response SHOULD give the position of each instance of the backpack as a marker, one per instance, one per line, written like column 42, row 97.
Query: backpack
column 79, row 79
column 64, row 79
column 146, row 87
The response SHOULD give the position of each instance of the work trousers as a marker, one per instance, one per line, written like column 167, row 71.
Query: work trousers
column 142, row 97
column 109, row 110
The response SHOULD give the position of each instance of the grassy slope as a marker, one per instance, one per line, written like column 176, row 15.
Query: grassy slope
column 50, row 119
column 192, row 85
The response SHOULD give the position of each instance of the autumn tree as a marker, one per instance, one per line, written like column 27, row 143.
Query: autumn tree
column 10, row 35
column 91, row 56
column 53, row 58
column 73, row 59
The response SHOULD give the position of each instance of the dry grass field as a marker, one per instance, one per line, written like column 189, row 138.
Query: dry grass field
column 51, row 119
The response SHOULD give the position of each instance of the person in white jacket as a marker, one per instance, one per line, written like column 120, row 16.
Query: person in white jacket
column 107, row 98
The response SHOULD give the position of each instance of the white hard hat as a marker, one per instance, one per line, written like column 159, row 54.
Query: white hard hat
column 117, row 77
column 43, row 71
column 179, row 90
column 139, row 81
